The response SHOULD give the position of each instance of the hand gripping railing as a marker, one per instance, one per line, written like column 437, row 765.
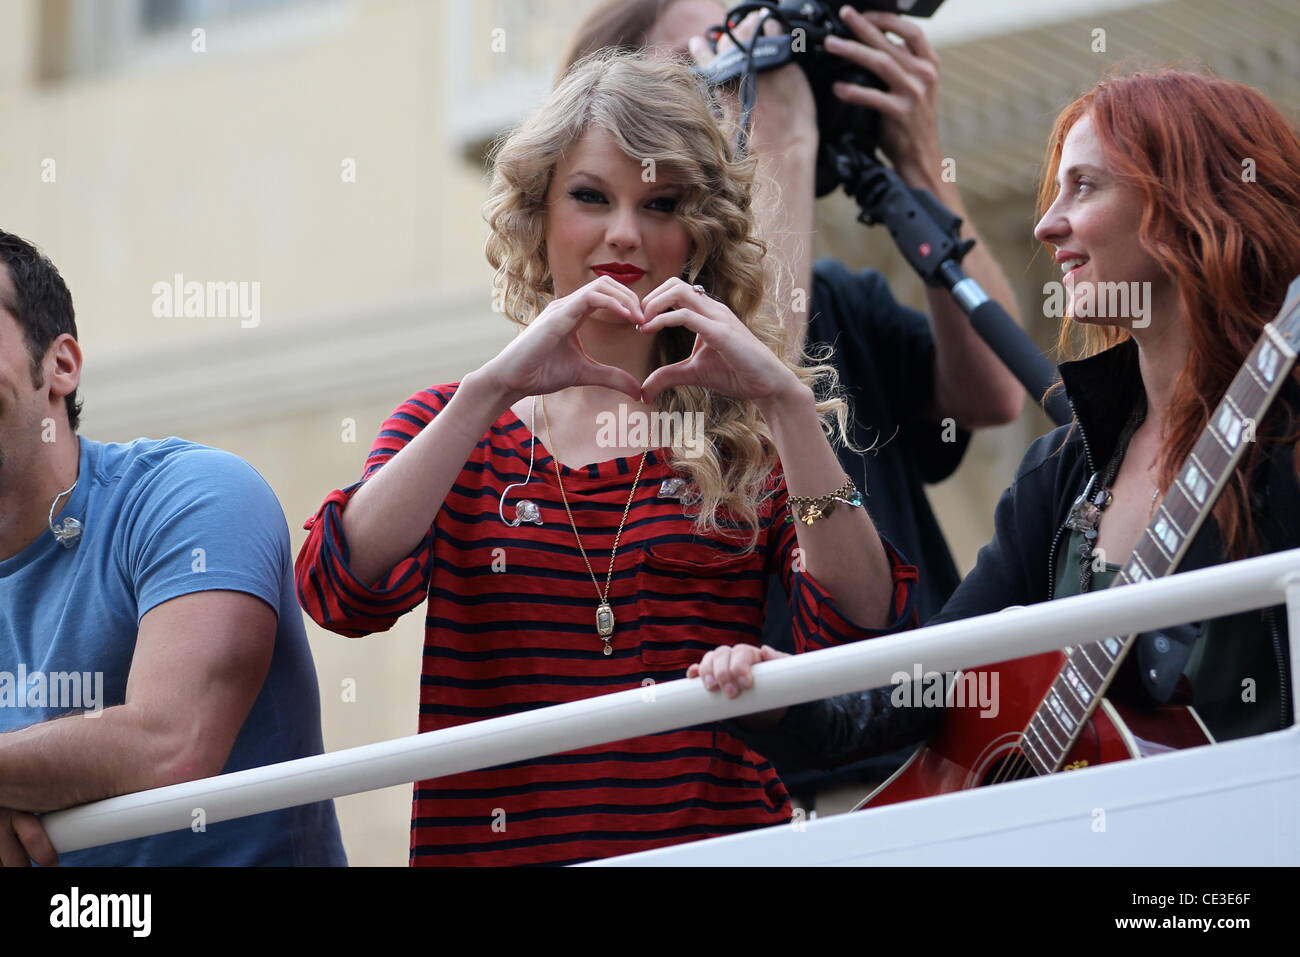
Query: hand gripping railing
column 1191, row 596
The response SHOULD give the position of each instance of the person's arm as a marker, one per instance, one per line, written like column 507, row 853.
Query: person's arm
column 841, row 552
column 1010, row 570
column 972, row 385
column 205, row 551
column 880, row 589
column 829, row 733
column 391, row 512
column 367, row 562
column 783, row 141
column 199, row 663
column 362, row 567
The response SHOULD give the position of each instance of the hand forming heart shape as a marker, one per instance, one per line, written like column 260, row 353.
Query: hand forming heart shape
column 726, row 357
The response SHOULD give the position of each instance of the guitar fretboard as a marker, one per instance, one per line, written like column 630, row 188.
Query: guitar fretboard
column 1090, row 668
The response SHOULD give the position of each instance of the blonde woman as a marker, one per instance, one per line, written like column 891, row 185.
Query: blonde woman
column 565, row 557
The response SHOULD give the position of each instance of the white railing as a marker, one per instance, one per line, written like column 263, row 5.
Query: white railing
column 1191, row 596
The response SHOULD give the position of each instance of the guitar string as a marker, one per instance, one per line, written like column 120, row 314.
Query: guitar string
column 1015, row 760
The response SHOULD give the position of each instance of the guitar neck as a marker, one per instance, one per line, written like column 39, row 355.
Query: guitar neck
column 1090, row 668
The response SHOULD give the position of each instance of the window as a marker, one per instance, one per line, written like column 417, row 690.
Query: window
column 155, row 16
column 88, row 36
column 500, row 61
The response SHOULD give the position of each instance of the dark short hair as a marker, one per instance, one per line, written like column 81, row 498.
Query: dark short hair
column 41, row 304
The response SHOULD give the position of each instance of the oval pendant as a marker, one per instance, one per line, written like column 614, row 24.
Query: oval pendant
column 604, row 620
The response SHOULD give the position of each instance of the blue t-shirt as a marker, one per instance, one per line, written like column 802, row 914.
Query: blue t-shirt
column 165, row 518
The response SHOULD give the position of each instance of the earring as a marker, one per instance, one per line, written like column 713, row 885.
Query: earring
column 525, row 511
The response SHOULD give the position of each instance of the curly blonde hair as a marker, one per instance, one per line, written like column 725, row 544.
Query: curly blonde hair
column 688, row 137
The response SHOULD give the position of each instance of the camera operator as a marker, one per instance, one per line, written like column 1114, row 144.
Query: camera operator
column 918, row 385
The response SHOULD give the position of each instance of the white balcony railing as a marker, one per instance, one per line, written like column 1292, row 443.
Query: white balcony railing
column 1191, row 596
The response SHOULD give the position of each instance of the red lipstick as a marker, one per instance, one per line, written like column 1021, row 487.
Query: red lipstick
column 625, row 273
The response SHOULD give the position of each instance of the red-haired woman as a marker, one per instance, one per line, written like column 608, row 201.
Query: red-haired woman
column 1185, row 184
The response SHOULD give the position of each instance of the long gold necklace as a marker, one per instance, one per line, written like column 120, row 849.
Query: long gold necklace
column 604, row 613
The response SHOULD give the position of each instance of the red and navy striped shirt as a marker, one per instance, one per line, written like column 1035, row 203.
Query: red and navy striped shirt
column 510, row 626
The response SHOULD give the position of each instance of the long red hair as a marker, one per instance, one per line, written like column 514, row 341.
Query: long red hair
column 1217, row 167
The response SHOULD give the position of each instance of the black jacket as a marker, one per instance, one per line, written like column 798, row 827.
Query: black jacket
column 1018, row 567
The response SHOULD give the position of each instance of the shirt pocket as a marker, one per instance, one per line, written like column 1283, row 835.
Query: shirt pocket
column 690, row 599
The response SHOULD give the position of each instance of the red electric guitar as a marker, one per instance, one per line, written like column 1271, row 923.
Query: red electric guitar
column 1053, row 714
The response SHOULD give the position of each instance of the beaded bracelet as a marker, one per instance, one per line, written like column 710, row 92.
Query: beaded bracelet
column 808, row 509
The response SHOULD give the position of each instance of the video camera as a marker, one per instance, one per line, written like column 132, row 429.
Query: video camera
column 926, row 233
column 805, row 25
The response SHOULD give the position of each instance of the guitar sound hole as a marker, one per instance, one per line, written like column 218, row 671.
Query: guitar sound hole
column 1012, row 766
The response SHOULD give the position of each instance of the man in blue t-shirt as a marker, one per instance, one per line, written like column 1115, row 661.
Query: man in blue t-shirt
column 149, row 632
